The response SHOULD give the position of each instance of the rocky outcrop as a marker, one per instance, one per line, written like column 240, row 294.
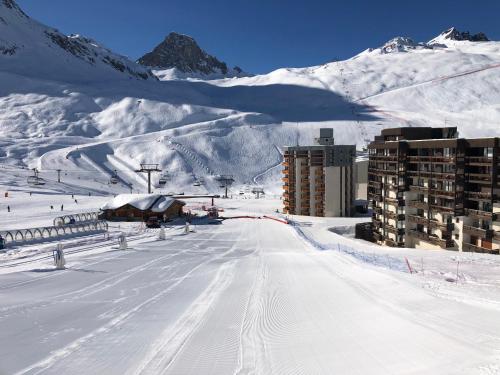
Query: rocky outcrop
column 184, row 54
column 454, row 34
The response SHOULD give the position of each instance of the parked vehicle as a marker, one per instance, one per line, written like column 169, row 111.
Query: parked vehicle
column 153, row 222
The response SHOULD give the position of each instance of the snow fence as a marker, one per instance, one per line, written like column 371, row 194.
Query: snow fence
column 57, row 232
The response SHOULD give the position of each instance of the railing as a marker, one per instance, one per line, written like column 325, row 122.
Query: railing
column 481, row 214
column 444, row 243
column 393, row 200
column 439, row 208
column 478, row 249
column 449, row 227
column 417, row 219
column 418, row 204
column 420, row 189
column 479, row 159
column 394, row 230
column 435, row 159
column 42, row 234
column 480, row 195
column 394, row 216
column 384, row 157
column 76, row 218
column 478, row 232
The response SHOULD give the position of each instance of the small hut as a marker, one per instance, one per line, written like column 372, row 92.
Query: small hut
column 140, row 207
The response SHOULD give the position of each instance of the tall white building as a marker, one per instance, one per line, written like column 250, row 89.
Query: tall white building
column 319, row 180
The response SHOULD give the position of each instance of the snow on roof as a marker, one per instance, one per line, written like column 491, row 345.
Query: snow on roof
column 154, row 202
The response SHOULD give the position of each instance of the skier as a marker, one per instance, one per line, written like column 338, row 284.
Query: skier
column 62, row 207
column 51, row 207
column 76, row 201
column 8, row 208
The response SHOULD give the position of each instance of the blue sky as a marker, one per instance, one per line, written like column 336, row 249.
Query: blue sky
column 261, row 35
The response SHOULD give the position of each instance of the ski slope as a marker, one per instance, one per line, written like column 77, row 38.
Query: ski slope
column 89, row 118
column 245, row 296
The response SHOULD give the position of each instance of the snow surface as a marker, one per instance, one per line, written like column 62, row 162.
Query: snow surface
column 249, row 296
column 90, row 119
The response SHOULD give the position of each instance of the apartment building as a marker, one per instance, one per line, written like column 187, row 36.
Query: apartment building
column 319, row 180
column 431, row 189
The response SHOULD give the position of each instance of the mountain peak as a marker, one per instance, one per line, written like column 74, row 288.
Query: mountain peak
column 454, row 34
column 183, row 53
column 11, row 4
column 398, row 44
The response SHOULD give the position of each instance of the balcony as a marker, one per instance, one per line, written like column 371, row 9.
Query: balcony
column 418, row 204
column 478, row 232
column 377, row 223
column 394, row 216
column 431, row 159
column 478, row 195
column 383, row 172
column 375, row 197
column 384, row 157
column 419, row 189
column 447, row 227
column 479, row 178
column 376, row 184
column 417, row 219
column 431, row 174
column 442, row 193
column 394, row 188
column 377, row 210
column 479, row 160
column 397, row 201
column 443, row 243
column 394, row 230
column 481, row 214
column 478, row 249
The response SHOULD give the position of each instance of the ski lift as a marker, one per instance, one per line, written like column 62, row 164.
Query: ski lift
column 163, row 179
column 35, row 181
column 114, row 178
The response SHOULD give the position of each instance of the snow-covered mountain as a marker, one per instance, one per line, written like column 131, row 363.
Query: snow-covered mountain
column 180, row 57
column 29, row 48
column 58, row 110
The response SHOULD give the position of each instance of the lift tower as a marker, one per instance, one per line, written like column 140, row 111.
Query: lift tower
column 225, row 181
column 149, row 168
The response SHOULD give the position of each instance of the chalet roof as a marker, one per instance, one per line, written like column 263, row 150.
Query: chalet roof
column 143, row 202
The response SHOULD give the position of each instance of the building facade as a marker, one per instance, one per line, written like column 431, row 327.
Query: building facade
column 319, row 180
column 141, row 207
column 430, row 189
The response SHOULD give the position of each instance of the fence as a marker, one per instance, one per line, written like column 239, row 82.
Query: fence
column 42, row 234
column 76, row 218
